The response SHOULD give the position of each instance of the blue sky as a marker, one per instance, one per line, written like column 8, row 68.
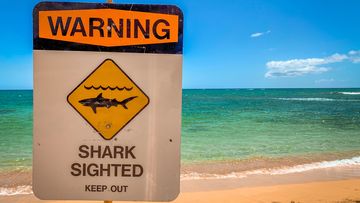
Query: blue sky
column 231, row 44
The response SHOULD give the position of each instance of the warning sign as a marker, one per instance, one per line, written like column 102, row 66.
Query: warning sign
column 108, row 99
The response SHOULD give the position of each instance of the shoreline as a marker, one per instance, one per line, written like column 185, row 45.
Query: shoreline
column 222, row 167
column 340, row 184
column 268, row 180
column 302, row 187
column 336, row 166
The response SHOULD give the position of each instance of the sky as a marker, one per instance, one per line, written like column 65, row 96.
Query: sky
column 230, row 44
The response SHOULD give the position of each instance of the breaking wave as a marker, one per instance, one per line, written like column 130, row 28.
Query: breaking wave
column 350, row 93
column 316, row 99
column 355, row 161
column 306, row 99
column 19, row 190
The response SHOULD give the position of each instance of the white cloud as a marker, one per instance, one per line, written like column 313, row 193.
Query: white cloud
column 352, row 52
column 258, row 34
column 354, row 56
column 299, row 67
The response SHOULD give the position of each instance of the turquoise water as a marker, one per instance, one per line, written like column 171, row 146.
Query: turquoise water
column 237, row 124
column 15, row 129
column 227, row 124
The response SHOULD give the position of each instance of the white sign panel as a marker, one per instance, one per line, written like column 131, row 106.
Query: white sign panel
column 107, row 101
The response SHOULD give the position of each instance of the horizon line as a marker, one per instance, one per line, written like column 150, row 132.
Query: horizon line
column 226, row 88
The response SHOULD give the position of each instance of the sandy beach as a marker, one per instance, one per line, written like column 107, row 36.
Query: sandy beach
column 334, row 184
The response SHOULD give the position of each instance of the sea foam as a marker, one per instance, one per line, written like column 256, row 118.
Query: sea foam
column 319, row 99
column 350, row 93
column 306, row 99
column 19, row 190
column 355, row 161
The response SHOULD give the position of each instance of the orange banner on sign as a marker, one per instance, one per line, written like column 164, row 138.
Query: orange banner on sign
column 108, row 27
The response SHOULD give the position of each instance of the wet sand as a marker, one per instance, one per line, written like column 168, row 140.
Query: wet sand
column 254, row 163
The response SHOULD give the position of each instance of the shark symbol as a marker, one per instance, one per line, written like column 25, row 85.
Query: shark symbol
column 100, row 101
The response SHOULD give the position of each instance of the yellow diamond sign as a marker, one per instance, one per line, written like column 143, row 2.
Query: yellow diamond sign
column 108, row 99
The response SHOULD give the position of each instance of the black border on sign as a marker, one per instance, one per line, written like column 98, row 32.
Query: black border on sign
column 108, row 59
column 50, row 44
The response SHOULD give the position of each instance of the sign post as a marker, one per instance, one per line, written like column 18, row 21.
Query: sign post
column 107, row 101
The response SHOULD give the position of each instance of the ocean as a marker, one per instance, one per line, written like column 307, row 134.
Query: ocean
column 311, row 128
column 233, row 124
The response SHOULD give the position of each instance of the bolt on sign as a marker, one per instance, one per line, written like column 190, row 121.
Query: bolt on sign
column 107, row 101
